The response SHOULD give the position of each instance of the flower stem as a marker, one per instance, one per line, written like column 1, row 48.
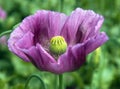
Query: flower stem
column 61, row 5
column 34, row 76
column 6, row 32
column 61, row 84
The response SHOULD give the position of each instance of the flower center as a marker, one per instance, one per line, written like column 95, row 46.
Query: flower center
column 57, row 45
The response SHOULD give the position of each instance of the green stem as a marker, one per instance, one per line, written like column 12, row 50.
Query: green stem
column 6, row 32
column 61, row 5
column 34, row 76
column 61, row 86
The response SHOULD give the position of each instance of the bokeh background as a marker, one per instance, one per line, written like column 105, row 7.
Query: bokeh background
column 102, row 67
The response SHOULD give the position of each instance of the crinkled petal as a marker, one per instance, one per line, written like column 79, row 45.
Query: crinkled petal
column 26, row 41
column 72, row 59
column 39, row 57
column 72, row 24
column 17, row 34
column 15, row 44
column 94, row 43
column 49, row 24
column 81, row 25
column 56, row 22
column 90, row 26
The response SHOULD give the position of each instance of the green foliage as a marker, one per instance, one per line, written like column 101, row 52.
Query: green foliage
column 102, row 69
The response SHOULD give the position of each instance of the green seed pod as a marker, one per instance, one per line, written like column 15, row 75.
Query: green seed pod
column 58, row 45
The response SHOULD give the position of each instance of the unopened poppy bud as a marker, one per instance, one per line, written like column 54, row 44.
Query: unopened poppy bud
column 58, row 45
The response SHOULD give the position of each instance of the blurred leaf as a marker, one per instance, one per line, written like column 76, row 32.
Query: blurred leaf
column 21, row 67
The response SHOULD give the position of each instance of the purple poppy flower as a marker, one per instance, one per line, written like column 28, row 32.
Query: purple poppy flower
column 2, row 14
column 31, row 39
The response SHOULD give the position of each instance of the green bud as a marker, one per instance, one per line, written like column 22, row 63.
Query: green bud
column 58, row 45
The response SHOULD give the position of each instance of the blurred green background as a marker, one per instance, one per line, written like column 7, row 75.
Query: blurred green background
column 102, row 68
